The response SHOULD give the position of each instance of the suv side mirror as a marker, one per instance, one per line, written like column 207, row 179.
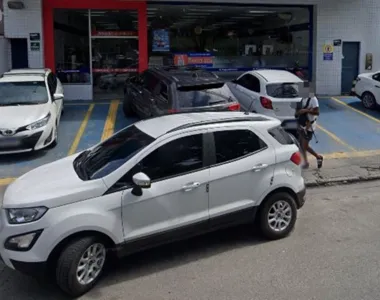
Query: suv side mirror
column 58, row 96
column 141, row 181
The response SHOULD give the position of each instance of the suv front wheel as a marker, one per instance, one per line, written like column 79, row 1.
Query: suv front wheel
column 80, row 265
column 278, row 216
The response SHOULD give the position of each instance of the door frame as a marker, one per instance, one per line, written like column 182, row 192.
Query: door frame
column 48, row 7
column 357, row 59
column 27, row 54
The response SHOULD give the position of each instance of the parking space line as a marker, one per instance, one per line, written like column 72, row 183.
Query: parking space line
column 109, row 126
column 6, row 181
column 74, row 145
column 356, row 110
column 85, row 103
column 335, row 138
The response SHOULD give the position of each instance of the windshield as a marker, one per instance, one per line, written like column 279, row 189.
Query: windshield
column 283, row 90
column 111, row 154
column 200, row 98
column 19, row 93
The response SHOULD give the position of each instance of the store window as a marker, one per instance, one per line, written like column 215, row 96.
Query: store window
column 229, row 38
column 72, row 50
column 114, row 39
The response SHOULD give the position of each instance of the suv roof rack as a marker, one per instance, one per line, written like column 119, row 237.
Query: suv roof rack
column 219, row 121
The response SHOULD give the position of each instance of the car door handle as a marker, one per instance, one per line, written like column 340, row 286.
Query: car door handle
column 190, row 186
column 259, row 167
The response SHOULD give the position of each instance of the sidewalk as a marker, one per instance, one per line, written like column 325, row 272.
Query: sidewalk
column 343, row 170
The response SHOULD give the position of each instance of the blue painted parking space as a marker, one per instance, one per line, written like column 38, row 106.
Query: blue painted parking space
column 343, row 126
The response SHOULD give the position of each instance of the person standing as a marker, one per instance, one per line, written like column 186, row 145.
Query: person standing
column 307, row 117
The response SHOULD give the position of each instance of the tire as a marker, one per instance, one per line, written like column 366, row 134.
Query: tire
column 68, row 263
column 268, row 206
column 127, row 108
column 369, row 100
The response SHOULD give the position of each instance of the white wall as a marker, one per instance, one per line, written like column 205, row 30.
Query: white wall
column 18, row 23
column 348, row 20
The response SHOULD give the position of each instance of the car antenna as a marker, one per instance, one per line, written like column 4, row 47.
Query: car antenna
column 249, row 109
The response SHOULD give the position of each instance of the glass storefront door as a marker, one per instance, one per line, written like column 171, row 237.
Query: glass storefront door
column 114, row 51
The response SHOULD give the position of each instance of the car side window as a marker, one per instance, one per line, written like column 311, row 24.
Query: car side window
column 250, row 82
column 376, row 77
column 150, row 82
column 235, row 144
column 176, row 158
column 162, row 91
column 52, row 84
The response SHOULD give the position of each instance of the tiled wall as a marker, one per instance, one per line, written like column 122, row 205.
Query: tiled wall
column 18, row 23
column 348, row 20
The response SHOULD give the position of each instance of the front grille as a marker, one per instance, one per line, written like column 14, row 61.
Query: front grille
column 16, row 143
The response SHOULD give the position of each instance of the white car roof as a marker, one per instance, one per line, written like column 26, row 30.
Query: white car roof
column 22, row 78
column 156, row 127
column 28, row 71
column 274, row 76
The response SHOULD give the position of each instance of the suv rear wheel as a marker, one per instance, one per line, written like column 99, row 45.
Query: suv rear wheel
column 278, row 216
column 368, row 100
column 80, row 265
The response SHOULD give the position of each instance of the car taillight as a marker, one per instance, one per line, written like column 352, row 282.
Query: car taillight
column 266, row 103
column 172, row 111
column 234, row 107
column 296, row 158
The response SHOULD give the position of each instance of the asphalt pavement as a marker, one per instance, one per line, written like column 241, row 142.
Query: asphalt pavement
column 332, row 254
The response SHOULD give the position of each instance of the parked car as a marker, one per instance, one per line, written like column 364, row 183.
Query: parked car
column 167, row 90
column 367, row 88
column 155, row 181
column 31, row 104
column 273, row 93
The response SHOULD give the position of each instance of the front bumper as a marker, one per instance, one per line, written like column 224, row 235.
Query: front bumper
column 26, row 141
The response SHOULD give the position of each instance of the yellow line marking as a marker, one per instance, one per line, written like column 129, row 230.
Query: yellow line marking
column 335, row 138
column 356, row 110
column 88, row 103
column 109, row 126
column 6, row 181
column 74, row 145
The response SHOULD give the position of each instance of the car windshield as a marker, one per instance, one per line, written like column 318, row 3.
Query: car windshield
column 111, row 154
column 23, row 93
column 201, row 98
column 283, row 90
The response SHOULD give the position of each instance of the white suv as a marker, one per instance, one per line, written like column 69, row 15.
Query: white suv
column 156, row 181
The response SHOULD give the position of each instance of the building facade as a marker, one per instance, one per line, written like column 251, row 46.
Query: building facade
column 94, row 45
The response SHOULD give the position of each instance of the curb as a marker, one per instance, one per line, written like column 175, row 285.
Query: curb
column 341, row 181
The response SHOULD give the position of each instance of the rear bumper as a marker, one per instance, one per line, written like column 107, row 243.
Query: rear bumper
column 301, row 198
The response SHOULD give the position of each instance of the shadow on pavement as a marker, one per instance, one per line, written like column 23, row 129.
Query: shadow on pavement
column 16, row 286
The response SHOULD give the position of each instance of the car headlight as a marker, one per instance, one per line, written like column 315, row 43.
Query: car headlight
column 25, row 215
column 39, row 123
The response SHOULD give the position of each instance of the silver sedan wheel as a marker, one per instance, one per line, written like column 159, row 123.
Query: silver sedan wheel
column 368, row 101
column 279, row 216
column 91, row 263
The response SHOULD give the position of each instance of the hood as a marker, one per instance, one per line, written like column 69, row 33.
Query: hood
column 51, row 185
column 22, row 115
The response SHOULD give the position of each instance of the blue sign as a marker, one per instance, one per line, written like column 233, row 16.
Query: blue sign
column 328, row 56
column 161, row 41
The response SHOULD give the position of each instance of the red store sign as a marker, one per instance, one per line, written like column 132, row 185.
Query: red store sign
column 114, row 33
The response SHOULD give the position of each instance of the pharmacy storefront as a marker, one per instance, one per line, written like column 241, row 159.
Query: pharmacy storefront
column 94, row 45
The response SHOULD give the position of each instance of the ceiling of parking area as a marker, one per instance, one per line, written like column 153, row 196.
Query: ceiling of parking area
column 212, row 17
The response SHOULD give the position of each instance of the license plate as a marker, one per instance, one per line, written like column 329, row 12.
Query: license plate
column 9, row 143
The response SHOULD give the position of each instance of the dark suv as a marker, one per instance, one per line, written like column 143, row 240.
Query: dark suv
column 166, row 90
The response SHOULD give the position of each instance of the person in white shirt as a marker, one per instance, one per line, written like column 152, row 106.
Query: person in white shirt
column 307, row 118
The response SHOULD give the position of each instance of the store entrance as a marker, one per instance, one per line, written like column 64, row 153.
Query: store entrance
column 114, row 51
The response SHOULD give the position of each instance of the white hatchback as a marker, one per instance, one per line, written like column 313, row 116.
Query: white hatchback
column 31, row 104
column 273, row 93
column 158, row 180
column 367, row 88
